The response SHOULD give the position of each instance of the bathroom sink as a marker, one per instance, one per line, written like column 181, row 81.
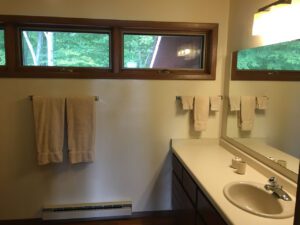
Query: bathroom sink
column 253, row 198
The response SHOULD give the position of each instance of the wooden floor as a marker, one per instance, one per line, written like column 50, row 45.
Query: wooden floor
column 160, row 219
column 137, row 221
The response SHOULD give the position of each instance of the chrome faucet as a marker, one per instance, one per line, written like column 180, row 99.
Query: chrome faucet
column 277, row 189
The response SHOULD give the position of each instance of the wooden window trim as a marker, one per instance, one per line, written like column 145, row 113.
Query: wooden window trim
column 14, row 68
column 3, row 68
column 160, row 72
column 60, row 69
column 261, row 75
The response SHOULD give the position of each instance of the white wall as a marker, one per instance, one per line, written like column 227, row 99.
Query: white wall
column 135, row 118
column 279, row 124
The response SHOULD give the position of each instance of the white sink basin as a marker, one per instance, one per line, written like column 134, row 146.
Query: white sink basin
column 253, row 198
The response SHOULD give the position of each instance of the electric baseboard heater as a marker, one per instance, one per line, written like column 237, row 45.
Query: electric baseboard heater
column 87, row 210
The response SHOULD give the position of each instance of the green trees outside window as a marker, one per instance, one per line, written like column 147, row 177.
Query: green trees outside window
column 283, row 56
column 138, row 50
column 66, row 49
column 2, row 49
column 85, row 48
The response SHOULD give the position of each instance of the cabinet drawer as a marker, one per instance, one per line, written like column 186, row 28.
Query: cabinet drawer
column 177, row 168
column 207, row 211
column 189, row 186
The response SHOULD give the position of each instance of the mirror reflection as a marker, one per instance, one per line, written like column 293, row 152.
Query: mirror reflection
column 274, row 129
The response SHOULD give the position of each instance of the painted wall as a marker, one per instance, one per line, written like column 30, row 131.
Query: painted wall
column 135, row 118
column 279, row 123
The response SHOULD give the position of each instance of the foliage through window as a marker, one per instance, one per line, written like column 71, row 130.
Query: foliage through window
column 2, row 48
column 55, row 47
column 153, row 51
column 65, row 49
column 283, row 56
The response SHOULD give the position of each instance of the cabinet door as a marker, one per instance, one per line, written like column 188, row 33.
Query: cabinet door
column 177, row 167
column 200, row 220
column 189, row 186
column 207, row 212
column 184, row 211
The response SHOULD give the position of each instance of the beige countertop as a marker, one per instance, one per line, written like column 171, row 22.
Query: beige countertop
column 209, row 164
column 260, row 146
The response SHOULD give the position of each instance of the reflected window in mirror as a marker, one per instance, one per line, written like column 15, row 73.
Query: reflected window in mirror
column 272, row 62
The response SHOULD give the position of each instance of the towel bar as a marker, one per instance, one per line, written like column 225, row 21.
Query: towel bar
column 96, row 97
column 179, row 97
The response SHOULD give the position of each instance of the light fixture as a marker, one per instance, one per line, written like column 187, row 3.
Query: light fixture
column 277, row 3
column 277, row 22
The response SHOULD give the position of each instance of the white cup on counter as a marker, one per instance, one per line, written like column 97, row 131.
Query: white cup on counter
column 241, row 167
column 235, row 161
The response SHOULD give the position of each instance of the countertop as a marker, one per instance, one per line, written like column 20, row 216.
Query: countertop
column 209, row 165
column 260, row 145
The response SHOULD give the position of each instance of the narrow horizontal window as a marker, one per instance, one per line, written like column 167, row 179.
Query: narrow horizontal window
column 2, row 49
column 282, row 56
column 155, row 51
column 54, row 47
column 65, row 49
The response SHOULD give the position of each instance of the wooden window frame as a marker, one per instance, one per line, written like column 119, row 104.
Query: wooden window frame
column 261, row 75
column 14, row 65
column 3, row 68
column 62, row 68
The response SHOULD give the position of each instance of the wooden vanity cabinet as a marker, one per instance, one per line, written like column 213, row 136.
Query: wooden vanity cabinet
column 190, row 204
column 184, row 209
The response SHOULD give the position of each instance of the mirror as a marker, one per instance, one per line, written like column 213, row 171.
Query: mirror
column 275, row 135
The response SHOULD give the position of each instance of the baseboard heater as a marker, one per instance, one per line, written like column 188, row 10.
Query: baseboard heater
column 87, row 210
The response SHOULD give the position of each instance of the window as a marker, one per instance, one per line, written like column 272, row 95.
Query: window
column 65, row 49
column 282, row 56
column 272, row 62
column 113, row 49
column 147, row 51
column 2, row 48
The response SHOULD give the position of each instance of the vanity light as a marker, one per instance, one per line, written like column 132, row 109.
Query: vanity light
column 277, row 22
column 263, row 17
column 279, row 3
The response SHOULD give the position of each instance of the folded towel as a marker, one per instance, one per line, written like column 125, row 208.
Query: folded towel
column 81, row 129
column 247, row 112
column 187, row 102
column 49, row 119
column 201, row 110
column 262, row 102
column 235, row 103
column 215, row 103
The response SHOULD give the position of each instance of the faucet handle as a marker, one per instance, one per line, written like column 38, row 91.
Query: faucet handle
column 273, row 181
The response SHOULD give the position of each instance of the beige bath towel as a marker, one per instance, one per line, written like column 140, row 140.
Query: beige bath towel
column 49, row 119
column 247, row 112
column 262, row 102
column 235, row 103
column 215, row 103
column 187, row 102
column 201, row 111
column 81, row 129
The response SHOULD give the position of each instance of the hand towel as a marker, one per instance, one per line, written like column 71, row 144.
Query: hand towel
column 81, row 118
column 187, row 102
column 201, row 110
column 49, row 119
column 247, row 112
column 262, row 102
column 215, row 103
column 235, row 103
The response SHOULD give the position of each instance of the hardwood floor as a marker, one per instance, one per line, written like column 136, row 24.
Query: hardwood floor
column 141, row 221
column 148, row 220
column 153, row 219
